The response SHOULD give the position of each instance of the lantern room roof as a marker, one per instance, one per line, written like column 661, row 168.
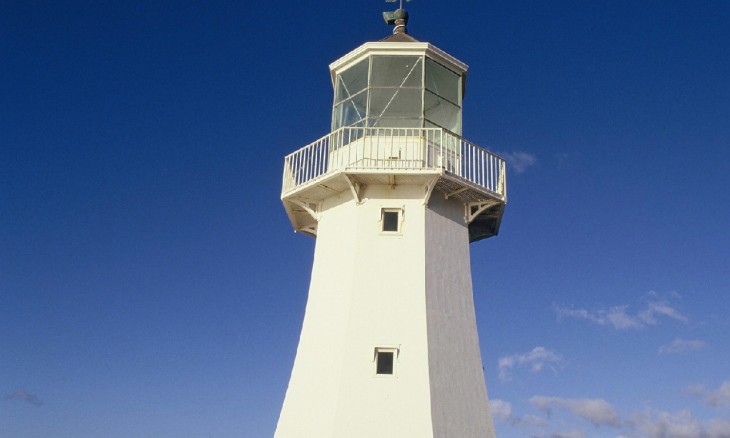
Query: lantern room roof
column 400, row 38
column 398, row 44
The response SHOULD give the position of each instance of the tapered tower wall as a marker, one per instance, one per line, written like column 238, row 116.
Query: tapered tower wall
column 459, row 406
column 310, row 404
column 409, row 291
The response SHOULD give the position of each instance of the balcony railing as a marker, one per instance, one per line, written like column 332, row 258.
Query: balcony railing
column 396, row 150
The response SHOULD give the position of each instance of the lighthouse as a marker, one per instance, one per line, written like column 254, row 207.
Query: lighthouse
column 394, row 196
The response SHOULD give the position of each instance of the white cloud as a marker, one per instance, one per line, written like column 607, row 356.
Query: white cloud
column 597, row 411
column 661, row 308
column 677, row 425
column 519, row 161
column 500, row 409
column 643, row 424
column 718, row 428
column 716, row 398
column 536, row 360
column 664, row 425
column 532, row 420
column 682, row 346
column 620, row 318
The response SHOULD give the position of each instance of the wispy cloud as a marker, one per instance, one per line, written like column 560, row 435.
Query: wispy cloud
column 718, row 427
column 597, row 411
column 620, row 318
column 502, row 410
column 647, row 423
column 716, row 398
column 677, row 425
column 682, row 346
column 536, row 360
column 24, row 396
column 519, row 161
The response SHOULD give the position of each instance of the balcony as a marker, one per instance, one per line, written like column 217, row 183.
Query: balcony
column 352, row 157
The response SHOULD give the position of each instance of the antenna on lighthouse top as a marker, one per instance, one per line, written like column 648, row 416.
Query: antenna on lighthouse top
column 398, row 18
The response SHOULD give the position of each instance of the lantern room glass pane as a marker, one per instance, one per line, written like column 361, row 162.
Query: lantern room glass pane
column 442, row 81
column 351, row 112
column 352, row 81
column 395, row 102
column 396, row 71
column 442, row 112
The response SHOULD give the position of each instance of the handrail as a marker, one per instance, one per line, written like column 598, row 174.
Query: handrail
column 394, row 149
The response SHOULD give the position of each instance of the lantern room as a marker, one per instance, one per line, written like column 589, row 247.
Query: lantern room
column 398, row 82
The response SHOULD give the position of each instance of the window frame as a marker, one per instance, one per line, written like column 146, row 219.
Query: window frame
column 386, row 349
column 399, row 221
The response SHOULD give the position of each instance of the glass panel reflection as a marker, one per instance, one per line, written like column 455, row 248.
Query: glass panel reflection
column 442, row 112
column 395, row 102
column 442, row 81
column 352, row 81
column 350, row 112
column 396, row 71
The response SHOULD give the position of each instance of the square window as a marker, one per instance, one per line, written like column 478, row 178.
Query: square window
column 391, row 220
column 385, row 361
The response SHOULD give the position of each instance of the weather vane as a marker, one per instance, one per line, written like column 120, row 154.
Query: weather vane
column 398, row 18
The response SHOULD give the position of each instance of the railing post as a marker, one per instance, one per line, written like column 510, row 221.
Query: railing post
column 441, row 149
column 334, row 149
column 503, row 179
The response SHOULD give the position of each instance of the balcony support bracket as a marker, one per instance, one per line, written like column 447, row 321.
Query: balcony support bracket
column 356, row 188
column 311, row 209
column 429, row 190
column 474, row 209
column 456, row 192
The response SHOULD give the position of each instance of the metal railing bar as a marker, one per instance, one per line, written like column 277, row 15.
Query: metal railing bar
column 382, row 148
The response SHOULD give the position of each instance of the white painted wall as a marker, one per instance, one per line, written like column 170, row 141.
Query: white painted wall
column 411, row 290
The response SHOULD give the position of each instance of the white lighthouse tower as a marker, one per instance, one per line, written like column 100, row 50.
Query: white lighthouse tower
column 394, row 196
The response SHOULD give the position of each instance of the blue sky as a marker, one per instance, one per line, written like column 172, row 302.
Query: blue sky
column 151, row 284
